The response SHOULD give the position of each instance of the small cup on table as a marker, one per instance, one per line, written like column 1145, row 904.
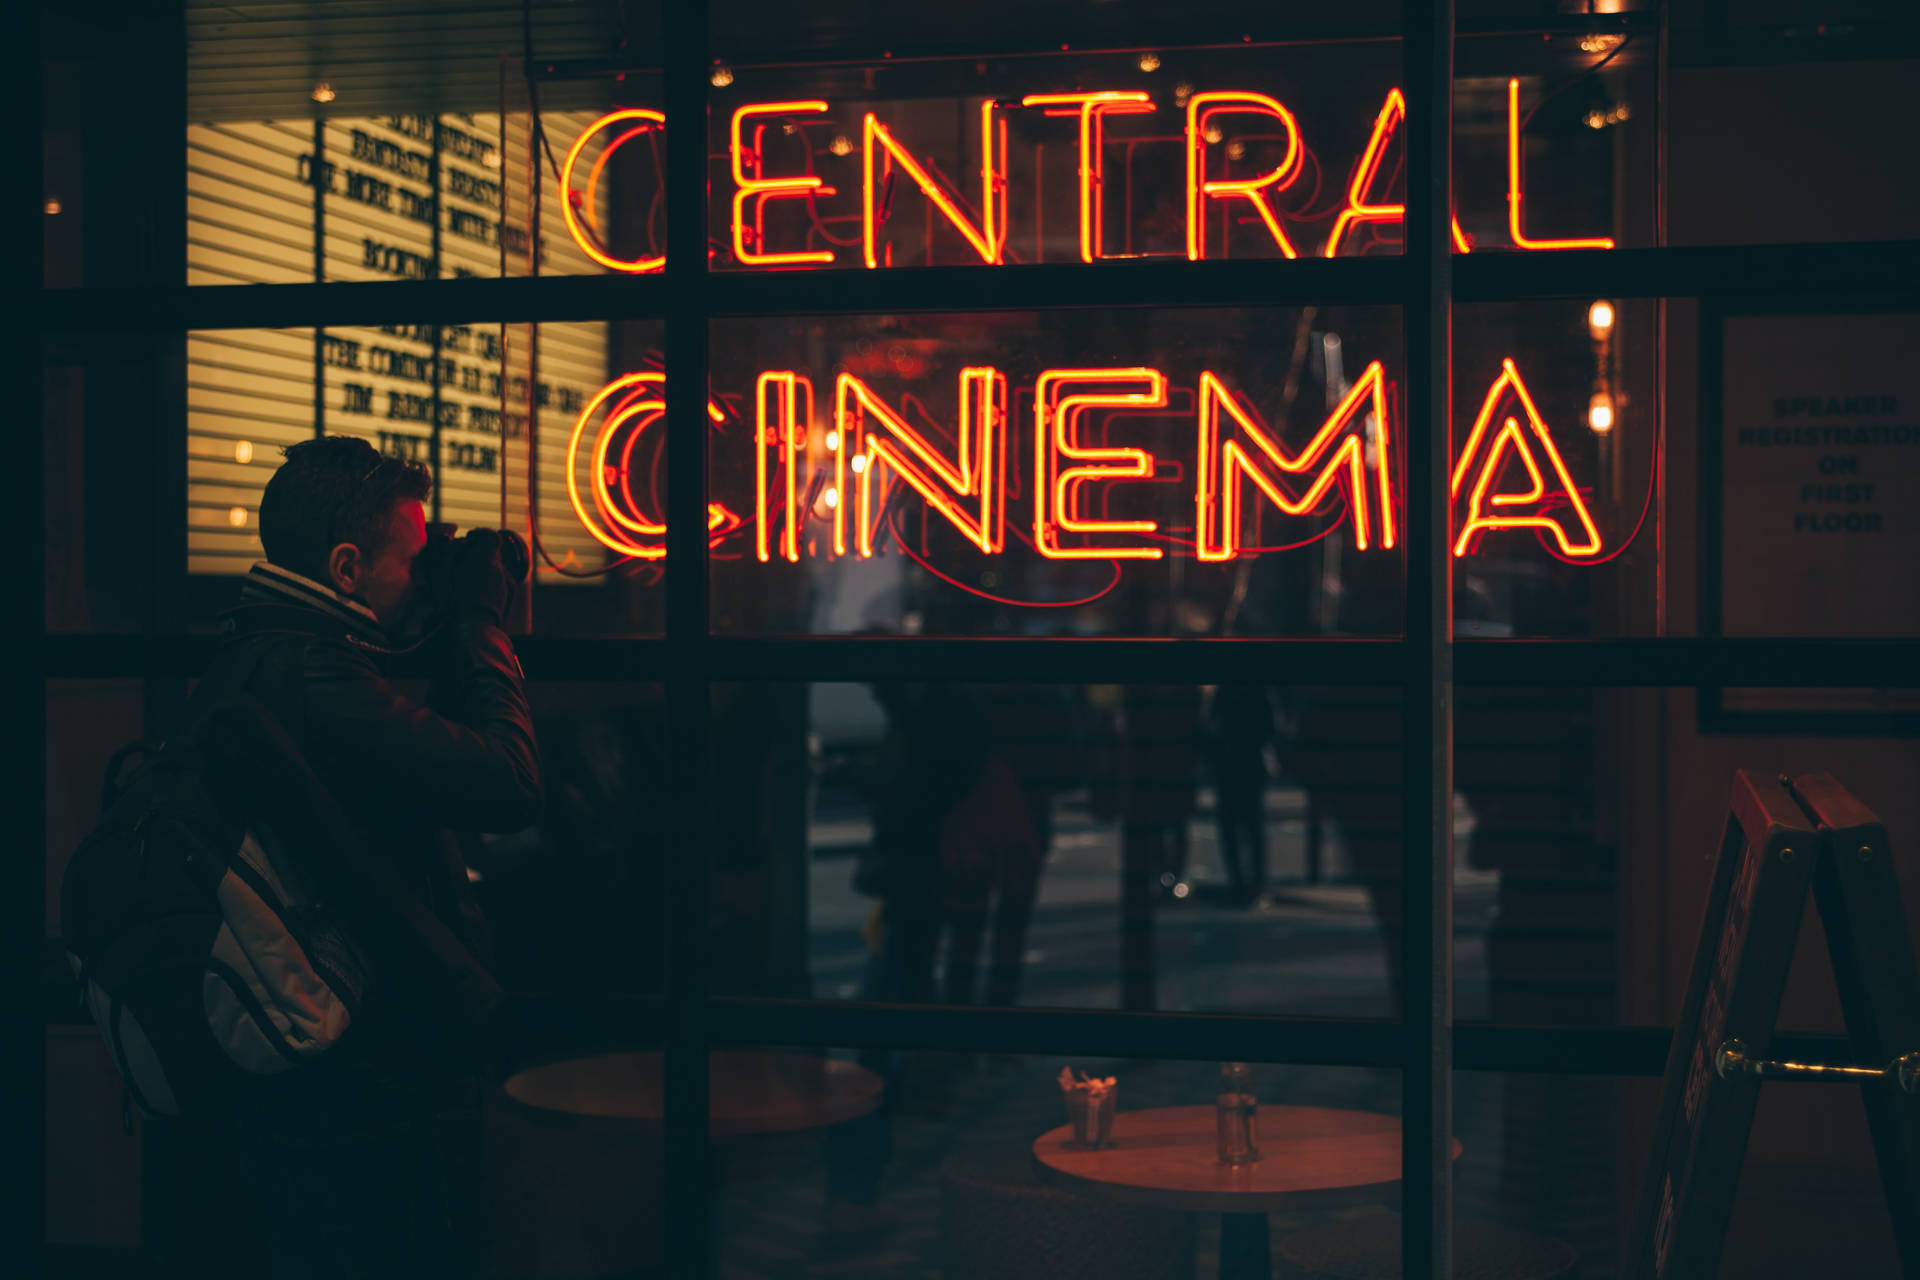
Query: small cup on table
column 1090, row 1107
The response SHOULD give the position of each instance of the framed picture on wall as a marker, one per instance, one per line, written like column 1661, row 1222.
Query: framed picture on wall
column 1810, row 498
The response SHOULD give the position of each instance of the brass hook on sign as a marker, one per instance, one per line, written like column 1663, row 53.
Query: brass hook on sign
column 1732, row 1059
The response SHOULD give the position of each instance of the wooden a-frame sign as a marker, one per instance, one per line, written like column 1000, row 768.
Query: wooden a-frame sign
column 1782, row 840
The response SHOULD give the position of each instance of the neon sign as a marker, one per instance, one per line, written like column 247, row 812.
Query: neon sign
column 1060, row 466
column 889, row 164
column 1219, row 484
column 1510, row 437
column 870, row 457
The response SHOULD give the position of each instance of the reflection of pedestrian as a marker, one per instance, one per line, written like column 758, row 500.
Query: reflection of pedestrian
column 1239, row 725
column 1160, row 751
column 953, row 842
column 1154, row 775
column 1344, row 749
column 1040, row 732
column 931, row 757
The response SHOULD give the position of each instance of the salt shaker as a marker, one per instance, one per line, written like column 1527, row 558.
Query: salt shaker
column 1234, row 1112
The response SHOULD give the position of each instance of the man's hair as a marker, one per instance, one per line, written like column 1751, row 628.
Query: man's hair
column 332, row 490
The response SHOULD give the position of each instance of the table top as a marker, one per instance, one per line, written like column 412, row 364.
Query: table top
column 1165, row 1158
column 749, row 1092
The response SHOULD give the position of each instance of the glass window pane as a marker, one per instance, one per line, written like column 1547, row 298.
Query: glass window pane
column 564, row 901
column 141, row 536
column 403, row 140
column 1117, row 473
column 93, row 1166
column 573, row 901
column 1751, row 86
column 1763, row 491
column 1552, row 1165
column 1234, row 848
column 959, row 1164
column 1557, row 514
column 1586, row 824
column 1077, row 157
column 1249, row 150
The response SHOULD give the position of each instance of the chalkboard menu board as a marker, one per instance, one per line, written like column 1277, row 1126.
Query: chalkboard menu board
column 1740, row 963
column 1782, row 839
column 1873, row 966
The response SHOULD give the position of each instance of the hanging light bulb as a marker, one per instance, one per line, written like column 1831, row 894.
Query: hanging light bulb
column 1600, row 318
column 720, row 77
column 841, row 145
column 1600, row 413
column 1149, row 62
column 323, row 92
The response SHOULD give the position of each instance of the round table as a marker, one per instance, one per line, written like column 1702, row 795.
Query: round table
column 1165, row 1158
column 748, row 1092
column 583, row 1166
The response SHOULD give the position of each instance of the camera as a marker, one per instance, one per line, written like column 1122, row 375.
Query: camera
column 434, row 569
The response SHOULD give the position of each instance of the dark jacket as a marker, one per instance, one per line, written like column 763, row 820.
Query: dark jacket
column 406, row 773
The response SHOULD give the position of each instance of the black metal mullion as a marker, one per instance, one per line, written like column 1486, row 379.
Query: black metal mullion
column 1734, row 270
column 1677, row 663
column 686, row 933
column 1275, row 282
column 1062, row 660
column 435, row 445
column 1169, row 29
column 23, row 1129
column 1878, row 269
column 1427, row 704
column 1102, row 1033
column 320, row 180
column 1534, row 1049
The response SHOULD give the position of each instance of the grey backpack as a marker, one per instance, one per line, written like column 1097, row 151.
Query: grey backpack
column 202, row 943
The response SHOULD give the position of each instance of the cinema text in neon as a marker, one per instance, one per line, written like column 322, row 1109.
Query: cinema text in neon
column 832, row 460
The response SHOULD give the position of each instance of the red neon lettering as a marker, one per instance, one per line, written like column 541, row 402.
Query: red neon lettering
column 757, row 190
column 1510, row 436
column 1056, row 492
column 870, row 434
column 780, row 423
column 1217, row 493
column 641, row 407
column 1514, row 220
column 1091, row 107
column 569, row 198
column 1358, row 210
column 641, row 400
column 986, row 239
column 1200, row 108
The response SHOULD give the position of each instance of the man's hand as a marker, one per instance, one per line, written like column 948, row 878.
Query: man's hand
column 482, row 584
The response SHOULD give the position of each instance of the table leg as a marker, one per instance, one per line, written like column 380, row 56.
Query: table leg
column 1244, row 1251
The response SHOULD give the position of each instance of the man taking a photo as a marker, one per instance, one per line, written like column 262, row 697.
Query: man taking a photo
column 368, row 1159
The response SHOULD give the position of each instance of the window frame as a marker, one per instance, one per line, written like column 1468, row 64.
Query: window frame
column 1425, row 663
